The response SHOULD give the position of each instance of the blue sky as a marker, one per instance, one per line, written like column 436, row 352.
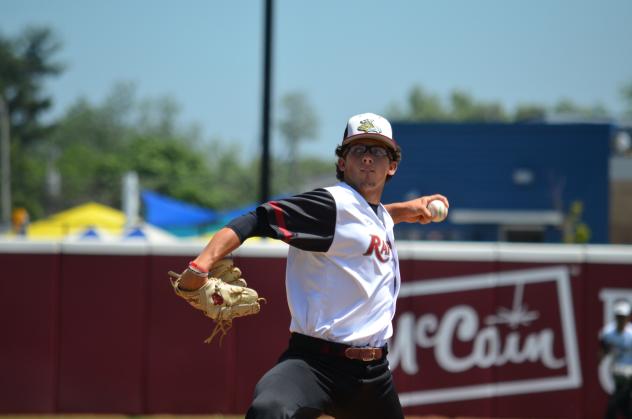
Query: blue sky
column 348, row 56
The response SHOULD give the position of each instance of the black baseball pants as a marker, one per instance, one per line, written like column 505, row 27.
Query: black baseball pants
column 620, row 400
column 306, row 383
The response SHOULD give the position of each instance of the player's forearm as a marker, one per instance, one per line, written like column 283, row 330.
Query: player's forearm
column 397, row 211
column 407, row 212
column 414, row 211
column 221, row 244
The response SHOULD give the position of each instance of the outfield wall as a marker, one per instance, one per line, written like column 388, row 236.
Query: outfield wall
column 497, row 330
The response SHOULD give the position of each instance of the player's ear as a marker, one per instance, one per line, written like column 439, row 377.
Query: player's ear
column 392, row 168
column 341, row 164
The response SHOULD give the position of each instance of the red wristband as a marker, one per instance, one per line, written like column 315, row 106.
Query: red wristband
column 197, row 268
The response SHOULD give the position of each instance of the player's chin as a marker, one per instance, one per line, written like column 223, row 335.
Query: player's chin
column 369, row 175
column 369, row 182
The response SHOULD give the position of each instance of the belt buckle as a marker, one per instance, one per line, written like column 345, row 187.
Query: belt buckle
column 367, row 358
column 362, row 354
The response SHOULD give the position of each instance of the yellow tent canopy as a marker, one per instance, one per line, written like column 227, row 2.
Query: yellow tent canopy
column 77, row 219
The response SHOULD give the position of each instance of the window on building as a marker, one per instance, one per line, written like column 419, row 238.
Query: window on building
column 522, row 234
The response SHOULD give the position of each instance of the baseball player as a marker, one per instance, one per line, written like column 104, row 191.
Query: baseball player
column 616, row 339
column 342, row 281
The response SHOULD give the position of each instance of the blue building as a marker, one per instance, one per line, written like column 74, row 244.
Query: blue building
column 508, row 182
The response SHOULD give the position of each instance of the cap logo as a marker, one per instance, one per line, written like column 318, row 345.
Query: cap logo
column 368, row 127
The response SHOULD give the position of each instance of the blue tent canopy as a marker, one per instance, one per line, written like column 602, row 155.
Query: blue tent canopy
column 227, row 215
column 167, row 212
column 135, row 232
column 90, row 233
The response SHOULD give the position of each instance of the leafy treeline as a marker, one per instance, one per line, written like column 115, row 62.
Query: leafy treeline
column 24, row 63
column 424, row 106
column 83, row 155
column 92, row 147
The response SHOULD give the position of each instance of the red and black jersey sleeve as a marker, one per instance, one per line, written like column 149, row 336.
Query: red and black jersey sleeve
column 306, row 221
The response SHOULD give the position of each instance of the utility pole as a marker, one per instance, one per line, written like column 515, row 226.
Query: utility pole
column 264, row 192
column 5, row 166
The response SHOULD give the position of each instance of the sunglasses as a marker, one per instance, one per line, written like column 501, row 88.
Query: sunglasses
column 360, row 149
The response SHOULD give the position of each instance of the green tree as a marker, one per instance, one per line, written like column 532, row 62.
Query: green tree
column 298, row 123
column 566, row 107
column 213, row 179
column 88, row 149
column 574, row 229
column 464, row 108
column 529, row 112
column 94, row 145
column 314, row 173
column 26, row 61
column 422, row 106
column 626, row 95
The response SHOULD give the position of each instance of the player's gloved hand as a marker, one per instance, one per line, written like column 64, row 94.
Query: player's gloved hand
column 228, row 272
column 223, row 297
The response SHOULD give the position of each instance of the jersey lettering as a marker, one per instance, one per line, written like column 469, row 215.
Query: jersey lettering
column 381, row 248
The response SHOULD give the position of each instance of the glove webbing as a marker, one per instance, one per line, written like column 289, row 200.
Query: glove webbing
column 221, row 326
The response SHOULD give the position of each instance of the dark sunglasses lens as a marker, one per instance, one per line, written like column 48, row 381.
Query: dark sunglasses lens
column 378, row 151
column 358, row 149
column 361, row 149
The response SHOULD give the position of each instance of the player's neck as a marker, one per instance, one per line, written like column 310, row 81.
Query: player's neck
column 372, row 195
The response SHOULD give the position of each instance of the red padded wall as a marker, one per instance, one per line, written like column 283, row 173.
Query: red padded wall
column 28, row 321
column 103, row 300
column 104, row 333
column 184, row 375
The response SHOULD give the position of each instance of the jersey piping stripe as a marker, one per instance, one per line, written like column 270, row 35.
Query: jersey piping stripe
column 278, row 214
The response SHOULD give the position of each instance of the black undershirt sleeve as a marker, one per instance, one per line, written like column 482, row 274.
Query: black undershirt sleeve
column 248, row 225
column 306, row 221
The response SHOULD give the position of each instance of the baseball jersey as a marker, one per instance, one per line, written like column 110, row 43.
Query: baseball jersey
column 620, row 346
column 342, row 276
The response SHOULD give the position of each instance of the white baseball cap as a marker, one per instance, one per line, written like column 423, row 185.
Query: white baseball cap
column 622, row 308
column 369, row 125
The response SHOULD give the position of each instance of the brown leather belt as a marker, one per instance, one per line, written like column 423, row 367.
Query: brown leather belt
column 319, row 346
column 364, row 354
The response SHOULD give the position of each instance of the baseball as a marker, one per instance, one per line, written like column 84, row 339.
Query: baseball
column 438, row 210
